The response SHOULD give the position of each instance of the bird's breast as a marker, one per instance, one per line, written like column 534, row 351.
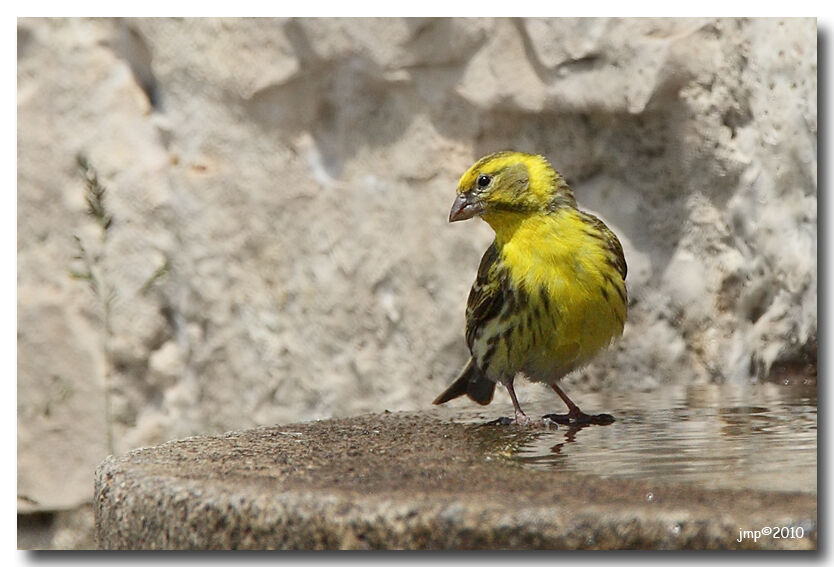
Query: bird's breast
column 574, row 307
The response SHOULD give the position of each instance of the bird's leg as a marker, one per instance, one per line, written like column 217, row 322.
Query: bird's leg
column 520, row 417
column 573, row 410
column 576, row 416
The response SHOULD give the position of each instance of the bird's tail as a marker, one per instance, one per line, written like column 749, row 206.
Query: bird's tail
column 471, row 382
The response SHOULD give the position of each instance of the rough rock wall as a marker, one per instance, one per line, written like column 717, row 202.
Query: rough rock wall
column 294, row 178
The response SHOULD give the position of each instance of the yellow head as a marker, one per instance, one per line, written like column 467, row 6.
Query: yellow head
column 509, row 184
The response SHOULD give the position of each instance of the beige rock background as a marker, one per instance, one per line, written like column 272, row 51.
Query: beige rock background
column 296, row 175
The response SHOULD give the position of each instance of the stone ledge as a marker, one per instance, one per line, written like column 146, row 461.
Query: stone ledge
column 407, row 481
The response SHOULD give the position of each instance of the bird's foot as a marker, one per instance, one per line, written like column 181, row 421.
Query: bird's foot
column 579, row 418
column 524, row 421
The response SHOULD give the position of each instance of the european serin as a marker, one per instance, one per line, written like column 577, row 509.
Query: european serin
column 550, row 291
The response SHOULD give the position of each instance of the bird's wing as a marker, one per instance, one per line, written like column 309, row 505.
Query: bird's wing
column 612, row 245
column 486, row 296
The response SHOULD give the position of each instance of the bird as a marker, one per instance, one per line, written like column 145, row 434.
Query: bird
column 550, row 290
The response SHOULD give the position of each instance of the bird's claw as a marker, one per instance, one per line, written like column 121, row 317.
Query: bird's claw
column 523, row 421
column 580, row 419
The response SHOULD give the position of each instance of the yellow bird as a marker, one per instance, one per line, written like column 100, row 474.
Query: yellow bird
column 550, row 291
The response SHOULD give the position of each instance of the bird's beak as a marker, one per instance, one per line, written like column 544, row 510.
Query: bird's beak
column 465, row 207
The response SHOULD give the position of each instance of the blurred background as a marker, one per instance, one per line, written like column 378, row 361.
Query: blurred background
column 280, row 189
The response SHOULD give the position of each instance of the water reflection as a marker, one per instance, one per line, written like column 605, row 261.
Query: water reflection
column 761, row 437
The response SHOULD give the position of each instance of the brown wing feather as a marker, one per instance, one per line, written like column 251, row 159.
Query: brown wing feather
column 486, row 296
column 612, row 244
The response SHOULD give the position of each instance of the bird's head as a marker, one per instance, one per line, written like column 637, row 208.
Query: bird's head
column 509, row 184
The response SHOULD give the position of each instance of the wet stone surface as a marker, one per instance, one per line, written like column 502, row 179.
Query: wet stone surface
column 751, row 436
column 443, row 480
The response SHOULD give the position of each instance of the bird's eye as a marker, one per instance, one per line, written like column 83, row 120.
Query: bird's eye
column 483, row 180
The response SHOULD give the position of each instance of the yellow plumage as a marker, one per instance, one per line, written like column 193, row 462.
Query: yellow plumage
column 550, row 291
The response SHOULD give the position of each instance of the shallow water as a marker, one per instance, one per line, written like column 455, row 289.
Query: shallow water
column 754, row 436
